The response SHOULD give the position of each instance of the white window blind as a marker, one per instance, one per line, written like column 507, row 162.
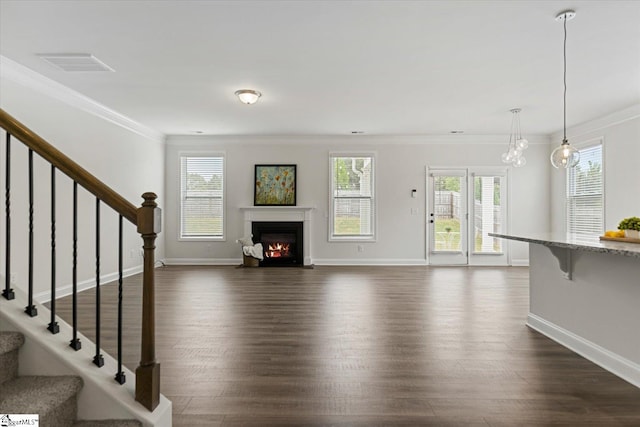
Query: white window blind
column 202, row 196
column 352, row 189
column 585, row 193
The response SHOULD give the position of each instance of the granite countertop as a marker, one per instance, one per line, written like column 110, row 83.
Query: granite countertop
column 582, row 243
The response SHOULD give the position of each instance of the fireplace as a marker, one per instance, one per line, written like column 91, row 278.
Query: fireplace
column 283, row 214
column 281, row 242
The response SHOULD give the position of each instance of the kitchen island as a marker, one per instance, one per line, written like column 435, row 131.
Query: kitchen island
column 585, row 294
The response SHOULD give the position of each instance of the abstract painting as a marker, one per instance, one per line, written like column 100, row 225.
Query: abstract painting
column 275, row 185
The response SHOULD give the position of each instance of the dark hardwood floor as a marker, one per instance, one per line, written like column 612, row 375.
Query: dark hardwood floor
column 359, row 346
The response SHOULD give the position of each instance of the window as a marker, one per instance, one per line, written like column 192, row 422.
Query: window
column 202, row 197
column 585, row 212
column 352, row 197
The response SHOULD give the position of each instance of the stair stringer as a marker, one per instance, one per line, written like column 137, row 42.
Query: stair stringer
column 46, row 354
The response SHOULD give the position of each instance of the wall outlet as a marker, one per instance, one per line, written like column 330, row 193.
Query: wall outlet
column 141, row 253
column 360, row 248
column 414, row 211
column 13, row 278
column 132, row 253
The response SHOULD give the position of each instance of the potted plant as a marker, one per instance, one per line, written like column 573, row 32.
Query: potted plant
column 631, row 227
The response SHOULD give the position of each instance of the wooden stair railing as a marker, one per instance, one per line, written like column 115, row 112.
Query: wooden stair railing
column 147, row 221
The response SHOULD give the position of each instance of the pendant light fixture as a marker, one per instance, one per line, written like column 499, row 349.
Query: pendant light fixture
column 565, row 156
column 517, row 144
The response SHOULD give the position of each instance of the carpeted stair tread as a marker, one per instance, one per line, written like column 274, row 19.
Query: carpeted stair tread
column 109, row 423
column 37, row 395
column 10, row 341
column 54, row 398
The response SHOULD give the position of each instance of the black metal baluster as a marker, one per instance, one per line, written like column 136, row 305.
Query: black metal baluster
column 7, row 292
column 30, row 309
column 75, row 342
column 53, row 325
column 98, row 360
column 120, row 377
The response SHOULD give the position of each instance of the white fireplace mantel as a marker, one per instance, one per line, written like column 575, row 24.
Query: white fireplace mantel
column 285, row 214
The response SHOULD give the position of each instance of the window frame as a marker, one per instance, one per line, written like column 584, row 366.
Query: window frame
column 206, row 238
column 567, row 198
column 374, row 201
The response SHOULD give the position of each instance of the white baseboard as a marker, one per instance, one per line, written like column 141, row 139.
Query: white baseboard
column 612, row 362
column 318, row 261
column 64, row 291
column 238, row 261
column 202, row 261
column 352, row 261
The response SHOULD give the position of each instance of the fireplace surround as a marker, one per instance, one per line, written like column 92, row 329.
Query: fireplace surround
column 302, row 214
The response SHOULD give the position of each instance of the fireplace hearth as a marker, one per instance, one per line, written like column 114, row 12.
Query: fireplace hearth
column 281, row 242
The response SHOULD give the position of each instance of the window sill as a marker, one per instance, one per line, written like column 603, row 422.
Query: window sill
column 352, row 239
column 202, row 239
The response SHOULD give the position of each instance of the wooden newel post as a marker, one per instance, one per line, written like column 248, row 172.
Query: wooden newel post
column 148, row 373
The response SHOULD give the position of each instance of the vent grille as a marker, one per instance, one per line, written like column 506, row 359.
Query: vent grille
column 75, row 62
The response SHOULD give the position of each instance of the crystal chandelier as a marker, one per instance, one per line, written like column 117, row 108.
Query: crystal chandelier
column 517, row 144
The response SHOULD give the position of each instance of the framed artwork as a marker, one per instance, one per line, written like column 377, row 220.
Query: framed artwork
column 275, row 185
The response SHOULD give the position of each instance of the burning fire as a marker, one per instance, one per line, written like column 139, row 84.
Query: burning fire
column 277, row 250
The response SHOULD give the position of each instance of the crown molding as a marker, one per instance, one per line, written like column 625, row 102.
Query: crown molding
column 369, row 140
column 613, row 119
column 24, row 76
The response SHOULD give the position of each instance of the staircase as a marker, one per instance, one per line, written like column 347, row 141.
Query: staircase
column 53, row 398
column 66, row 375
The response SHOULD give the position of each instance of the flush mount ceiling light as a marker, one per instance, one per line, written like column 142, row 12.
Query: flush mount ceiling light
column 248, row 96
column 565, row 156
column 517, row 144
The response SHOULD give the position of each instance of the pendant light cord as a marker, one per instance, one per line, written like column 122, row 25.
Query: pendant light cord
column 564, row 55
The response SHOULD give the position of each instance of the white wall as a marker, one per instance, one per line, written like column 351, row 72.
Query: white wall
column 620, row 132
column 595, row 313
column 127, row 161
column 400, row 166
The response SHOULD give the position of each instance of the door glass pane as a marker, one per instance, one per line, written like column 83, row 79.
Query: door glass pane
column 447, row 213
column 487, row 212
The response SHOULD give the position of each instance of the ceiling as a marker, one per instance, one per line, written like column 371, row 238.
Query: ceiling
column 333, row 67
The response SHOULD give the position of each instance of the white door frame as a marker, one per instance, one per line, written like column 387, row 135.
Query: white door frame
column 467, row 254
column 492, row 258
column 444, row 256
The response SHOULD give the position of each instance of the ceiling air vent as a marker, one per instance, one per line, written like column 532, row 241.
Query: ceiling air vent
column 75, row 61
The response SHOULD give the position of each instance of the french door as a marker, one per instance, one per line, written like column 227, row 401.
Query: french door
column 463, row 206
